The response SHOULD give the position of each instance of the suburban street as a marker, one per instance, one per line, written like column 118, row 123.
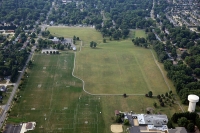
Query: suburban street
column 9, row 102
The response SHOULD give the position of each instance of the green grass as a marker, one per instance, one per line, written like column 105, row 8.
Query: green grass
column 50, row 92
column 85, row 34
column 115, row 67
column 137, row 33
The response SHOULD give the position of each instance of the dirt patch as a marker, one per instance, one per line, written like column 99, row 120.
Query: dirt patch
column 39, row 85
column 116, row 128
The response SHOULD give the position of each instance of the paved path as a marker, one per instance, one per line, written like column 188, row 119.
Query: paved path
column 7, row 106
column 7, row 83
column 163, row 75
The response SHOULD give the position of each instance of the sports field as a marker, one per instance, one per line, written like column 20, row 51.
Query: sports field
column 53, row 98
column 115, row 67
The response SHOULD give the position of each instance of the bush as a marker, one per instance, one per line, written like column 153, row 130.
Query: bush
column 183, row 122
column 126, row 122
column 190, row 127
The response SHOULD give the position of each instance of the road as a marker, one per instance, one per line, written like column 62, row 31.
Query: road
column 7, row 106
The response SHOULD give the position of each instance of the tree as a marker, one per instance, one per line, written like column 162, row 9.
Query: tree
column 191, row 127
column 198, row 28
column 183, row 122
column 162, row 104
column 169, row 124
column 150, row 94
column 166, row 94
column 104, row 40
column 126, row 122
column 155, row 104
column 32, row 41
column 158, row 96
column 93, row 44
column 118, row 119
column 197, row 121
column 124, row 95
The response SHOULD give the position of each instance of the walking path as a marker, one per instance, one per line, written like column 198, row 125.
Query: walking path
column 84, row 81
column 163, row 75
column 7, row 83
column 165, row 79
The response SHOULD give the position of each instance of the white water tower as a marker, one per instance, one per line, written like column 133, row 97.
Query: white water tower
column 193, row 100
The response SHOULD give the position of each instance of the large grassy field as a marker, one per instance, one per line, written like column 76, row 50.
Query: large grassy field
column 115, row 67
column 53, row 98
column 56, row 101
column 86, row 34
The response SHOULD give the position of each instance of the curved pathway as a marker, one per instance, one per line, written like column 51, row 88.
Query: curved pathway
column 84, row 81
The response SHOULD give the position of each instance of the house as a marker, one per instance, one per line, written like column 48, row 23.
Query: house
column 55, row 40
column 51, row 23
column 28, row 126
column 3, row 88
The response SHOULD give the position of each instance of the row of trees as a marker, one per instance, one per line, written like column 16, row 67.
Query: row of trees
column 187, row 120
column 140, row 42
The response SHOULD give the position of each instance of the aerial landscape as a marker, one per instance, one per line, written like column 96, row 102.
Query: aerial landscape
column 100, row 66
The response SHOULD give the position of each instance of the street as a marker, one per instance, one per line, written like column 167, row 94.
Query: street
column 7, row 106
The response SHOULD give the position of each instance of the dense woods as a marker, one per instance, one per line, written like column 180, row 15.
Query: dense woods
column 185, row 72
column 23, row 11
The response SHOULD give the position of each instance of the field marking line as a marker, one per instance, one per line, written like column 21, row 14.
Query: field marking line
column 96, row 94
column 52, row 93
column 84, row 82
column 119, row 67
column 163, row 75
column 143, row 74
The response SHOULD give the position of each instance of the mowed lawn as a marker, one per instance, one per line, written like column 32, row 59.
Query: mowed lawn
column 117, row 68
column 51, row 97
column 85, row 34
column 114, row 67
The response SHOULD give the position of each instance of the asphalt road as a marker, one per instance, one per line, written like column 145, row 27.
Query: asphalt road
column 7, row 106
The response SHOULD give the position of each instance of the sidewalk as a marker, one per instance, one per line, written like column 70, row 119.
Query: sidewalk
column 7, row 83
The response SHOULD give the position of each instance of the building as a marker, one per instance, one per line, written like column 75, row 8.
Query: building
column 55, row 40
column 49, row 51
column 3, row 88
column 151, row 123
column 28, row 126
column 67, row 41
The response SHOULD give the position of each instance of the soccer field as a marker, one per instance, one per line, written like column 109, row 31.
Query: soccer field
column 53, row 98
column 119, row 67
column 115, row 67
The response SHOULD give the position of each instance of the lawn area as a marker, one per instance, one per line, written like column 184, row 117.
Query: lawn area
column 137, row 33
column 119, row 67
column 53, row 98
column 56, row 101
column 85, row 34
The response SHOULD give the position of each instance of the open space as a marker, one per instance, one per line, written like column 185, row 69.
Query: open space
column 53, row 98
